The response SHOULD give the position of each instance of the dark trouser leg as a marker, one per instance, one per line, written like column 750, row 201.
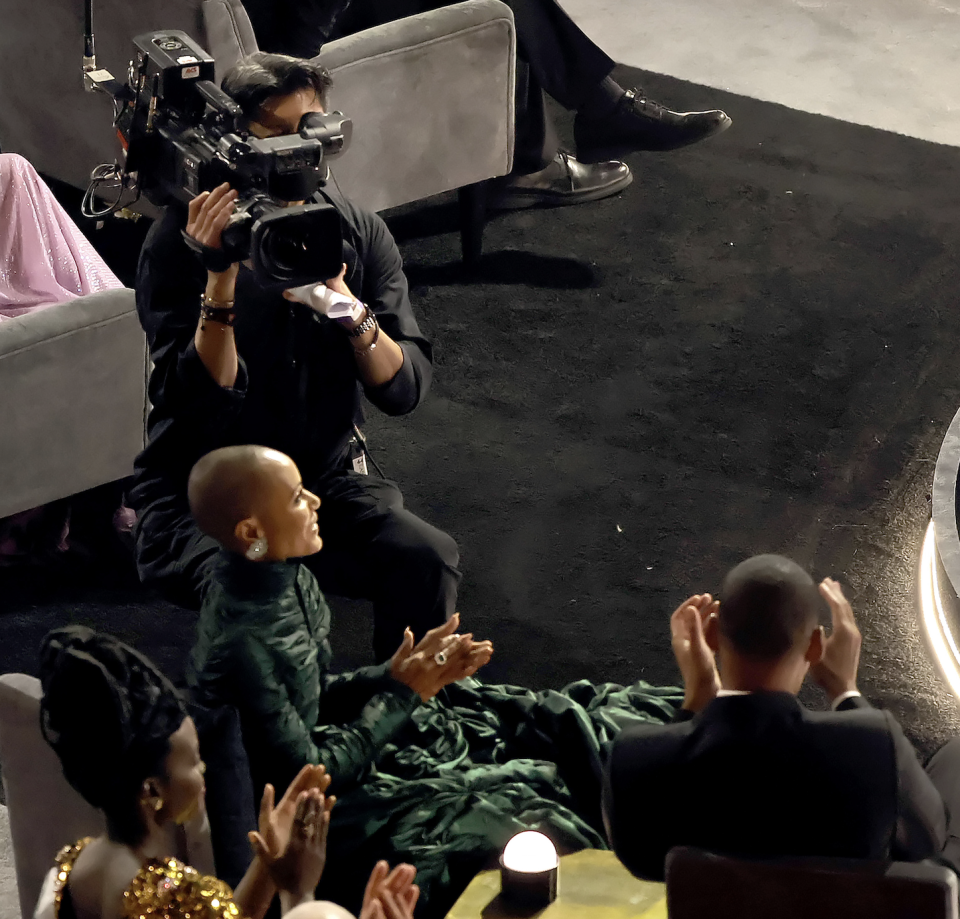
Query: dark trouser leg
column 563, row 61
column 173, row 554
column 944, row 772
column 535, row 138
column 376, row 549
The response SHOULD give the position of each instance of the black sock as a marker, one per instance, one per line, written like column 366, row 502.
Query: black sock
column 602, row 99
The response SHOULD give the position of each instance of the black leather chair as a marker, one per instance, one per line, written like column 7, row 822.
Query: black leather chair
column 703, row 885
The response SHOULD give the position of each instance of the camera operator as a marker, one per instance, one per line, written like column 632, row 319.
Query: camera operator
column 238, row 360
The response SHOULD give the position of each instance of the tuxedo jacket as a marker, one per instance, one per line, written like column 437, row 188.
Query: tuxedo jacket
column 759, row 776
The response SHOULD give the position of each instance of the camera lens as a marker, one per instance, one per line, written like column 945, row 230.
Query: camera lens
column 298, row 245
column 284, row 252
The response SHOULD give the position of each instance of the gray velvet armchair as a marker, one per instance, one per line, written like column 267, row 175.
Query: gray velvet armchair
column 432, row 101
column 431, row 96
column 73, row 379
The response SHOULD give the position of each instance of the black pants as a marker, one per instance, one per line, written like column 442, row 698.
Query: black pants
column 554, row 55
column 373, row 549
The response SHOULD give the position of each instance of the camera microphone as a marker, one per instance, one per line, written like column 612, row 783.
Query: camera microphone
column 94, row 79
column 181, row 135
column 89, row 45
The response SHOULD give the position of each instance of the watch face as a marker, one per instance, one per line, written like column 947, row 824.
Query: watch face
column 365, row 326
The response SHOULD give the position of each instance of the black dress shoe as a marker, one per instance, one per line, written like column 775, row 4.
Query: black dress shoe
column 638, row 123
column 564, row 181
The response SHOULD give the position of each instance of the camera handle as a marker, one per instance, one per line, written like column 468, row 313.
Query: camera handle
column 217, row 98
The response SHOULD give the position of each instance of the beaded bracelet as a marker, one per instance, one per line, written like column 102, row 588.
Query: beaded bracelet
column 221, row 311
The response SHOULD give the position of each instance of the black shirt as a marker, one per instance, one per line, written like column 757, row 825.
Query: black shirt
column 297, row 388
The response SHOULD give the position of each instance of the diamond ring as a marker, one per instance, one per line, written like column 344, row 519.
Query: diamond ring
column 440, row 657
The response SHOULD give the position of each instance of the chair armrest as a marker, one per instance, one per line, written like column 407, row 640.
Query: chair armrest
column 31, row 329
column 73, row 413
column 432, row 102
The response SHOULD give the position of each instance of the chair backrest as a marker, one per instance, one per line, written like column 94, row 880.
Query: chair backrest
column 45, row 812
column 704, row 884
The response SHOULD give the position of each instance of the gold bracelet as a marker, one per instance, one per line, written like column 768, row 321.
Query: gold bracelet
column 216, row 304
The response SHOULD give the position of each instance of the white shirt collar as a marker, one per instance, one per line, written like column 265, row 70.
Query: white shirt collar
column 834, row 704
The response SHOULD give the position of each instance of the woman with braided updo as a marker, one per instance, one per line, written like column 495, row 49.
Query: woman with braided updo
column 128, row 746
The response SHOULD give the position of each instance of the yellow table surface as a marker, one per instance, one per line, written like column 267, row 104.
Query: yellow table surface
column 591, row 885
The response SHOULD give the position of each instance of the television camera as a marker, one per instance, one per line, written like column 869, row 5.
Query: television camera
column 181, row 135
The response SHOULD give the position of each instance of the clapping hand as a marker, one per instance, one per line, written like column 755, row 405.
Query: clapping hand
column 697, row 662
column 275, row 823
column 292, row 837
column 297, row 871
column 441, row 657
column 390, row 894
column 836, row 671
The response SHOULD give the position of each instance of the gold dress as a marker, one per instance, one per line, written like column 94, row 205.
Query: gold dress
column 164, row 888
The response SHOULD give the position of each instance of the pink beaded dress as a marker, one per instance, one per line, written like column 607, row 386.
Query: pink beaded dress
column 44, row 258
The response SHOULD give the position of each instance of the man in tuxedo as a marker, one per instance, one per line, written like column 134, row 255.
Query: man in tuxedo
column 745, row 770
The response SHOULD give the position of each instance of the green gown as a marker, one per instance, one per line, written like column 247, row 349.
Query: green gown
column 443, row 784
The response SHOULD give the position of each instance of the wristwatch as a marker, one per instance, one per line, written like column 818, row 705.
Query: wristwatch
column 369, row 322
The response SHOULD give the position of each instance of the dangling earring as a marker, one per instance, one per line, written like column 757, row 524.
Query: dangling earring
column 158, row 805
column 257, row 548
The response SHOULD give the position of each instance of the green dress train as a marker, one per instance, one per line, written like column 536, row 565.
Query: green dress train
column 443, row 784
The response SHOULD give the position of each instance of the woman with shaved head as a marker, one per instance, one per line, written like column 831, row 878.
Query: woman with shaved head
column 429, row 765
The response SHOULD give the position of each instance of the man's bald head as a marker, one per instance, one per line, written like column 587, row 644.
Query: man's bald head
column 229, row 485
column 768, row 606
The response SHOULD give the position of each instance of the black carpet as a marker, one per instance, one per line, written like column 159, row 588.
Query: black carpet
column 750, row 349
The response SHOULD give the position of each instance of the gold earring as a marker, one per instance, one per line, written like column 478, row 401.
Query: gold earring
column 158, row 805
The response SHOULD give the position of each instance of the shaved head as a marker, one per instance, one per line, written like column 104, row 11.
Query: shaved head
column 229, row 485
column 768, row 606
